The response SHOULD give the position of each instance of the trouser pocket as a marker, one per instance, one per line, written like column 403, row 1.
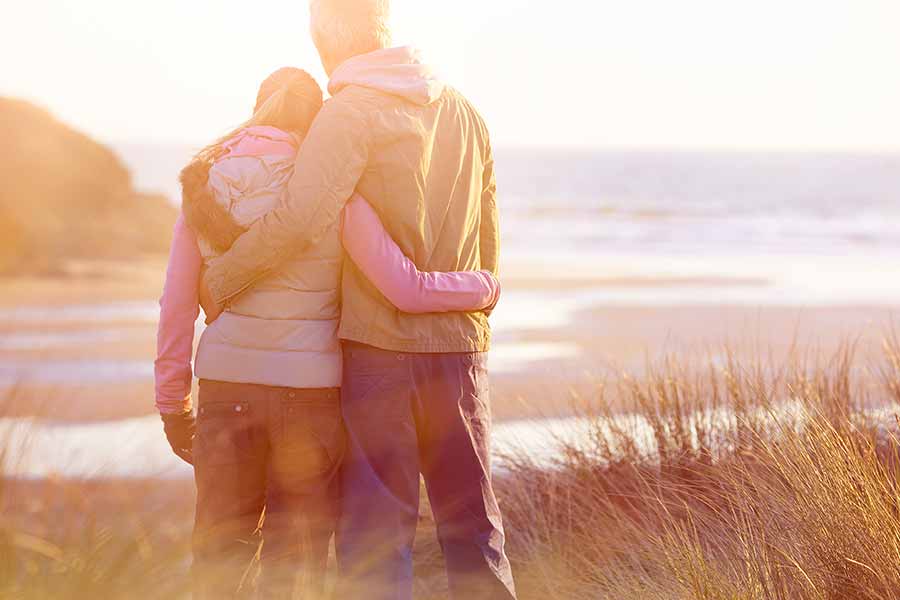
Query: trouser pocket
column 308, row 452
column 226, row 430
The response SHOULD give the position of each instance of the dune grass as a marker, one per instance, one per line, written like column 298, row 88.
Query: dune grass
column 760, row 483
column 69, row 539
column 730, row 481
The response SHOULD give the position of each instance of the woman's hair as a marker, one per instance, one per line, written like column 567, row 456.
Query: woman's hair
column 289, row 99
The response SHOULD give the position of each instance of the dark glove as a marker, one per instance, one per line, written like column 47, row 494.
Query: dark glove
column 180, row 430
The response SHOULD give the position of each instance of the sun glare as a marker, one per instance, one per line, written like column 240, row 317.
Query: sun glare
column 702, row 73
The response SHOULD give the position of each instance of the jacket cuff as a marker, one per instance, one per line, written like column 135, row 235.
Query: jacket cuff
column 496, row 288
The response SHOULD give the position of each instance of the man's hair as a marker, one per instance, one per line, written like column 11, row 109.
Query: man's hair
column 343, row 29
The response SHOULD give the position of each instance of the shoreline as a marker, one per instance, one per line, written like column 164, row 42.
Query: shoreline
column 545, row 366
column 550, row 343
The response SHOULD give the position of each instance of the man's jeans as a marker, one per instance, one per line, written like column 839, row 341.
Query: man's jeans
column 408, row 414
column 258, row 448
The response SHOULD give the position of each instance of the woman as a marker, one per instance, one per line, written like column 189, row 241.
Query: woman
column 269, row 437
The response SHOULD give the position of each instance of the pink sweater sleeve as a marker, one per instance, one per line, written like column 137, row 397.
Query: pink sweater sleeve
column 179, row 309
column 396, row 276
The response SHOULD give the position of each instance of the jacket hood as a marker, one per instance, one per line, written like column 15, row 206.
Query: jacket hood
column 396, row 71
column 258, row 161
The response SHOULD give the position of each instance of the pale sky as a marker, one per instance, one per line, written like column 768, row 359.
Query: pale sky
column 755, row 74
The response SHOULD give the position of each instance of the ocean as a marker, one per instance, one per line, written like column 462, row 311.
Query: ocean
column 665, row 202
column 668, row 202
column 754, row 228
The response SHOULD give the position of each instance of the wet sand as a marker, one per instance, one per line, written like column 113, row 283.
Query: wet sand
column 540, row 362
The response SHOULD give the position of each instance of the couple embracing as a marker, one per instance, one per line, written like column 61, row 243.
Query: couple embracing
column 345, row 254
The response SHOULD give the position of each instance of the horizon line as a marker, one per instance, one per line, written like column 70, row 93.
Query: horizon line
column 613, row 148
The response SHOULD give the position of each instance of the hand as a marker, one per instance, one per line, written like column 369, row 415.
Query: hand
column 180, row 429
column 210, row 307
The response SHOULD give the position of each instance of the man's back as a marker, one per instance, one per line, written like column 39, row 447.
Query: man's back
column 428, row 174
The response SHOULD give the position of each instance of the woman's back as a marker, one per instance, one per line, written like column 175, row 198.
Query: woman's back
column 283, row 331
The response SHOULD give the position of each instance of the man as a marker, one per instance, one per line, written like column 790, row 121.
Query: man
column 415, row 387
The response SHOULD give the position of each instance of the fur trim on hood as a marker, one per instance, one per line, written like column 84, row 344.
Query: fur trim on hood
column 203, row 214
